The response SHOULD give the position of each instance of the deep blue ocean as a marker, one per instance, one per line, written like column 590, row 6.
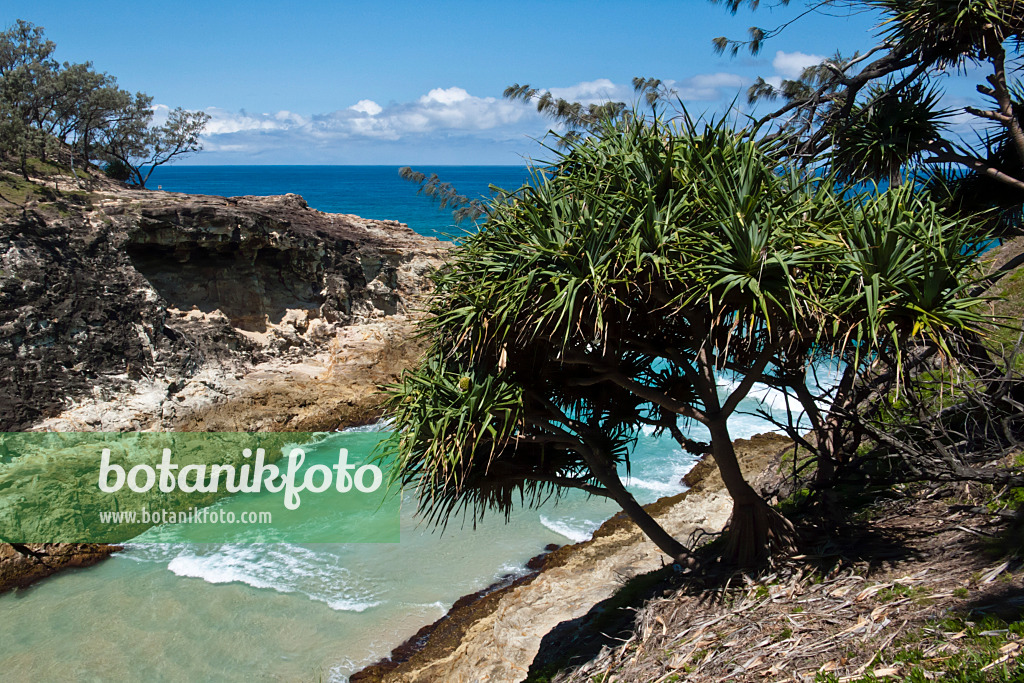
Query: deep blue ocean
column 367, row 191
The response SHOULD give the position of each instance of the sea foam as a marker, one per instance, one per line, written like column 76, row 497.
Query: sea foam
column 284, row 568
column 576, row 530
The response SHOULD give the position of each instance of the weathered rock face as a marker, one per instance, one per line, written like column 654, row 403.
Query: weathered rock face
column 21, row 565
column 260, row 260
column 71, row 306
column 152, row 287
column 129, row 310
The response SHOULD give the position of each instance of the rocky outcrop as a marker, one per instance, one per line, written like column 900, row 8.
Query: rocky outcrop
column 133, row 310
column 264, row 261
column 21, row 565
column 132, row 296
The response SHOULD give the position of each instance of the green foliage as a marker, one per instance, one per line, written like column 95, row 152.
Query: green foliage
column 117, row 170
column 457, row 422
column 16, row 192
column 917, row 593
column 575, row 114
column 564, row 263
column 642, row 264
column 948, row 33
column 46, row 107
column 794, row 502
column 142, row 147
column 887, row 131
column 444, row 194
column 877, row 111
column 973, row 661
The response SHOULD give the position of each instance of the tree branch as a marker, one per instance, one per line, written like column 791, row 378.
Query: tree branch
column 976, row 164
column 1002, row 93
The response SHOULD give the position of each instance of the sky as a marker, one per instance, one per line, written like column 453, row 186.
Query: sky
column 395, row 83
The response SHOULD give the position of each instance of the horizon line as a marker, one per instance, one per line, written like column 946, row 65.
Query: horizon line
column 361, row 165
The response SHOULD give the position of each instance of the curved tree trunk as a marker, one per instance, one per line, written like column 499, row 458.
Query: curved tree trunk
column 604, row 469
column 755, row 528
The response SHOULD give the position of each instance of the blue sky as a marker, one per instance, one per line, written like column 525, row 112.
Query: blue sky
column 353, row 82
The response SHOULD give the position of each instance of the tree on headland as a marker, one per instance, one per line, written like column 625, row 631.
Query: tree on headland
column 141, row 147
column 46, row 105
column 651, row 276
column 26, row 74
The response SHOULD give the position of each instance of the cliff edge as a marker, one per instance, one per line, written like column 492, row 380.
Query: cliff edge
column 127, row 310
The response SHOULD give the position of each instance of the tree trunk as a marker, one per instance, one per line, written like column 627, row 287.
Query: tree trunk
column 604, row 470
column 755, row 529
column 650, row 526
column 895, row 177
column 823, row 433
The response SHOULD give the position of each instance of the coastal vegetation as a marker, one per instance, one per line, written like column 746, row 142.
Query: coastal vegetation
column 875, row 111
column 645, row 267
column 660, row 268
column 652, row 275
column 72, row 114
column 657, row 260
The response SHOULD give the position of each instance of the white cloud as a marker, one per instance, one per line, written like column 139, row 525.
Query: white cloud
column 600, row 90
column 707, row 87
column 441, row 109
column 441, row 113
column 223, row 121
column 368, row 107
column 288, row 118
column 160, row 113
column 440, row 118
column 445, row 96
column 791, row 64
column 703, row 87
column 717, row 80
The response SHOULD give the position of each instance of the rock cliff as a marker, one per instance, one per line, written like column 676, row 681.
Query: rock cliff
column 132, row 297
column 134, row 310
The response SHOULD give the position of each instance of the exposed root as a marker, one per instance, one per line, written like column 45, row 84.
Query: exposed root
column 757, row 532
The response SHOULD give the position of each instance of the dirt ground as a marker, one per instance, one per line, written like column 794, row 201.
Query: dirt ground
column 924, row 587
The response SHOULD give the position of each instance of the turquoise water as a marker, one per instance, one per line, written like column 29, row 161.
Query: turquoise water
column 281, row 611
column 290, row 612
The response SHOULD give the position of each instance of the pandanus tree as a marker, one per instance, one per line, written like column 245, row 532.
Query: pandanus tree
column 903, row 295
column 618, row 290
column 878, row 108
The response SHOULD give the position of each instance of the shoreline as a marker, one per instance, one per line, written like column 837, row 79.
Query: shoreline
column 22, row 565
column 316, row 368
column 496, row 634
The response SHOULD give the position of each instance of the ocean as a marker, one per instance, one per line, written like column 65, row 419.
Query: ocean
column 366, row 191
column 289, row 612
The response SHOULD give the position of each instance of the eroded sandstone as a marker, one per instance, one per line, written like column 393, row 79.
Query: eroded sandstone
column 133, row 310
column 137, row 294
